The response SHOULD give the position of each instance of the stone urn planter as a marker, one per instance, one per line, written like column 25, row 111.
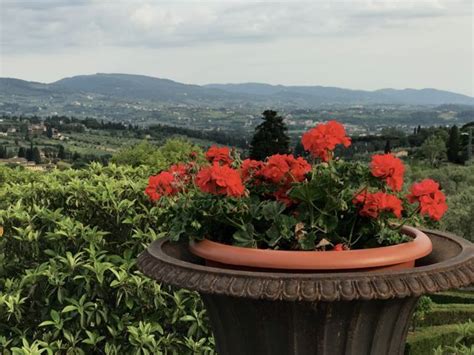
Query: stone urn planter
column 332, row 313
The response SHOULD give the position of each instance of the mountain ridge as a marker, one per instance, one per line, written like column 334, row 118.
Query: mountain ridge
column 141, row 87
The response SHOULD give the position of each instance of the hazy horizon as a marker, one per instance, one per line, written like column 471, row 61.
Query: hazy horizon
column 241, row 83
column 358, row 45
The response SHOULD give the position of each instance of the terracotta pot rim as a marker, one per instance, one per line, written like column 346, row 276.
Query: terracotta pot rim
column 419, row 247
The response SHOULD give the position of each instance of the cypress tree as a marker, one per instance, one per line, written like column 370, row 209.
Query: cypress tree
column 388, row 147
column 36, row 155
column 299, row 149
column 21, row 152
column 29, row 152
column 61, row 152
column 3, row 152
column 469, row 146
column 270, row 137
column 453, row 146
column 49, row 132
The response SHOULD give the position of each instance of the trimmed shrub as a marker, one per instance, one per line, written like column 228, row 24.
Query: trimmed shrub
column 424, row 305
column 453, row 297
column 68, row 276
column 448, row 314
column 423, row 341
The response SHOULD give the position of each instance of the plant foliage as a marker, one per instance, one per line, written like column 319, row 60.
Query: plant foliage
column 69, row 283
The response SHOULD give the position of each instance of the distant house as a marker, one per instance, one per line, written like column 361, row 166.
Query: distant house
column 401, row 154
column 36, row 129
column 3, row 134
column 11, row 130
column 19, row 161
column 36, row 167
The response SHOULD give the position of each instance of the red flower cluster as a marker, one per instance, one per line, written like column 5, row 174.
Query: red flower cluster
column 219, row 155
column 282, row 195
column 285, row 169
column 431, row 200
column 322, row 139
column 251, row 168
column 179, row 170
column 220, row 180
column 168, row 182
column 160, row 185
column 389, row 168
column 375, row 203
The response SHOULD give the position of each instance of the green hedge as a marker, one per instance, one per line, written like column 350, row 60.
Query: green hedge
column 453, row 297
column 424, row 340
column 68, row 277
column 448, row 314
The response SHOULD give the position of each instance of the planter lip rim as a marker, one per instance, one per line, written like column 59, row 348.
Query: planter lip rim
column 306, row 260
column 455, row 272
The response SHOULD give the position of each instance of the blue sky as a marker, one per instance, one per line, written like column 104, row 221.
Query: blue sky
column 353, row 44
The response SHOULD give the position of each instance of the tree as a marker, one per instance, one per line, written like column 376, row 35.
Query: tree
column 433, row 149
column 270, row 137
column 36, row 155
column 299, row 149
column 61, row 152
column 388, row 147
column 174, row 150
column 469, row 145
column 29, row 152
column 3, row 152
column 49, row 132
column 453, row 145
column 21, row 152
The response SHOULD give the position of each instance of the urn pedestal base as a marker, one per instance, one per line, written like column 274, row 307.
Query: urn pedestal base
column 290, row 313
column 245, row 326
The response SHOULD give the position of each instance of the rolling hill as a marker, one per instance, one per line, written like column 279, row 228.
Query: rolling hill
column 328, row 95
column 126, row 87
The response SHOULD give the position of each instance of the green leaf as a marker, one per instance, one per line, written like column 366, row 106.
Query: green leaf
column 271, row 210
column 46, row 323
column 69, row 308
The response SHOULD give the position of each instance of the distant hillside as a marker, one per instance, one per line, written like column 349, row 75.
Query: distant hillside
column 140, row 87
column 19, row 87
column 126, row 88
column 330, row 95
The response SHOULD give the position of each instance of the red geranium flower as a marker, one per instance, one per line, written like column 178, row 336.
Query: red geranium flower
column 179, row 170
column 282, row 196
column 431, row 200
column 219, row 155
column 422, row 188
column 161, row 185
column 389, row 168
column 375, row 203
column 322, row 139
column 220, row 180
column 285, row 168
column 251, row 168
column 433, row 206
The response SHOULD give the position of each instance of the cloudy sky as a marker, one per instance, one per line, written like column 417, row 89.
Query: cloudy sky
column 353, row 44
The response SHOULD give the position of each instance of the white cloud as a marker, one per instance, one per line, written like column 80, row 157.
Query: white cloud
column 55, row 24
column 245, row 40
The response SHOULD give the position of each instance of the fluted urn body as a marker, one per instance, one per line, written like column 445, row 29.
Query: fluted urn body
column 291, row 313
